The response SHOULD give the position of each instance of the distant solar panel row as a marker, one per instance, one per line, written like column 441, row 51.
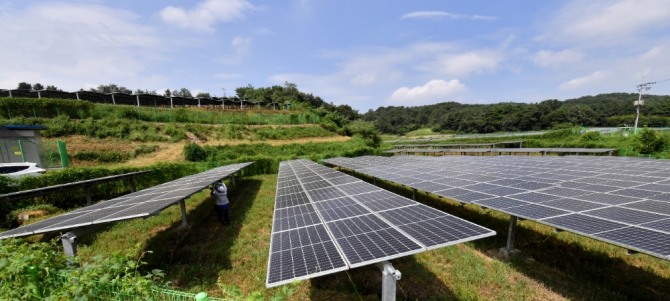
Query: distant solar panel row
column 326, row 221
column 623, row 201
column 62, row 187
column 142, row 203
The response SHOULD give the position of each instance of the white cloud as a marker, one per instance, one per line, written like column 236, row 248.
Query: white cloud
column 580, row 82
column 432, row 92
column 205, row 14
column 443, row 14
column 465, row 63
column 653, row 53
column 609, row 22
column 548, row 58
column 75, row 45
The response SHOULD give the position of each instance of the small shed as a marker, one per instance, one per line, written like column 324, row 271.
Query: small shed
column 21, row 143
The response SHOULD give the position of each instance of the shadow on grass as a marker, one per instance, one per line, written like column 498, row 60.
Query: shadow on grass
column 565, row 267
column 366, row 283
column 193, row 256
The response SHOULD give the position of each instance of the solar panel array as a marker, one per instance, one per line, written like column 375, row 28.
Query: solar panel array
column 326, row 221
column 623, row 201
column 142, row 203
column 62, row 187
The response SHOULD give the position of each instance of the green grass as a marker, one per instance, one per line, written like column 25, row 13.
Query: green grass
column 420, row 132
column 550, row 266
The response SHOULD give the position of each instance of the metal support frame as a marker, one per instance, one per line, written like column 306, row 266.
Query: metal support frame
column 511, row 233
column 414, row 194
column 69, row 241
column 89, row 196
column 184, row 220
column 131, row 182
column 389, row 277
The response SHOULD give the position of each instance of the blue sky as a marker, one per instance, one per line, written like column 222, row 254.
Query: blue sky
column 362, row 53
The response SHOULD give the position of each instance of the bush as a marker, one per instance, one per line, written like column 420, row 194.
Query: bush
column 101, row 156
column 649, row 141
column 194, row 153
column 103, row 278
column 590, row 136
column 365, row 130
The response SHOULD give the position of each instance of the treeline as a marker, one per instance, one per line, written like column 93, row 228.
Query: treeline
column 615, row 109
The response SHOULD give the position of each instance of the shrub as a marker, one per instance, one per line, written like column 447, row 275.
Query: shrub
column 365, row 130
column 649, row 141
column 590, row 136
column 194, row 153
column 103, row 278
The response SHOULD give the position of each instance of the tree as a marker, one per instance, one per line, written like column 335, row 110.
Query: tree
column 52, row 88
column 24, row 86
column 38, row 87
column 203, row 95
column 183, row 92
column 111, row 88
column 167, row 93
column 348, row 112
column 140, row 91
column 365, row 130
column 649, row 141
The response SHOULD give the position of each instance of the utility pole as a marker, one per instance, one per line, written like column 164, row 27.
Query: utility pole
column 640, row 102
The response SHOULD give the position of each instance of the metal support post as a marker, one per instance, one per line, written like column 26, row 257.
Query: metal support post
column 89, row 196
column 133, row 187
column 69, row 240
column 414, row 194
column 511, row 233
column 184, row 221
column 389, row 277
column 232, row 180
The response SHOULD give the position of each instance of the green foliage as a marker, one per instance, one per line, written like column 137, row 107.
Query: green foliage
column 590, row 136
column 103, row 278
column 649, row 141
column 233, row 292
column 44, row 107
column 366, row 131
column 101, row 156
column 267, row 157
column 194, row 153
column 609, row 110
column 108, row 156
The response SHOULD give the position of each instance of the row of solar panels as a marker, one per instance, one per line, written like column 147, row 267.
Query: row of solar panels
column 326, row 221
column 142, row 203
column 23, row 194
column 133, row 99
column 542, row 151
column 623, row 201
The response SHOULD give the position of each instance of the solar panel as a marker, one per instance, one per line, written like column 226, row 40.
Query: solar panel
column 68, row 186
column 606, row 198
column 142, row 203
column 358, row 222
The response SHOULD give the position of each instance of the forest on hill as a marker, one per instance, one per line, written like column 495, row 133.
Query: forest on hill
column 614, row 109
